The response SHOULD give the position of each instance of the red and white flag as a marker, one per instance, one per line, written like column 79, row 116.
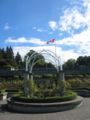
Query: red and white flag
column 51, row 41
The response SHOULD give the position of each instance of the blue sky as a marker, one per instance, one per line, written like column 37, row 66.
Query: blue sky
column 28, row 24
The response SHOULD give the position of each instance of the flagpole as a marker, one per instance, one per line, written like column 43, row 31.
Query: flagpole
column 56, row 53
column 51, row 41
column 55, row 49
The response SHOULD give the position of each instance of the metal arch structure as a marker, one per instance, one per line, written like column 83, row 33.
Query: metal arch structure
column 31, row 61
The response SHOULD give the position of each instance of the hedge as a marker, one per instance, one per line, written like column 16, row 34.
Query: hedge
column 12, row 90
column 70, row 96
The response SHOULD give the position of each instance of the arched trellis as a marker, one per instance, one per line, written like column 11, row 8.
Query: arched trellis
column 32, row 60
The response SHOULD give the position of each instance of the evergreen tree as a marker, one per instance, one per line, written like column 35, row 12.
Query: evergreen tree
column 1, row 56
column 18, row 60
column 3, row 62
column 10, row 57
column 9, row 53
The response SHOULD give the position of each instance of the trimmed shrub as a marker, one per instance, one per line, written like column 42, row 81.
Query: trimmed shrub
column 68, row 96
column 12, row 90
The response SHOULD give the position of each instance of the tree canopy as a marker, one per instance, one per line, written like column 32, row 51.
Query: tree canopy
column 8, row 59
column 81, row 61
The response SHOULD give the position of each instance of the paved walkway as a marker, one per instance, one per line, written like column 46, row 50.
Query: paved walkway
column 79, row 113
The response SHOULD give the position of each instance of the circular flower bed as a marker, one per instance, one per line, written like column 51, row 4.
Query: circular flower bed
column 21, row 103
column 68, row 96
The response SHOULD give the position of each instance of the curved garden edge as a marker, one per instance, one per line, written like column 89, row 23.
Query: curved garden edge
column 43, row 107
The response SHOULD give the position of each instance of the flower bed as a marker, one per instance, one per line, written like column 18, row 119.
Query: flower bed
column 69, row 96
column 43, row 105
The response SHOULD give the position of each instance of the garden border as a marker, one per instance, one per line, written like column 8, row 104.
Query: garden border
column 43, row 107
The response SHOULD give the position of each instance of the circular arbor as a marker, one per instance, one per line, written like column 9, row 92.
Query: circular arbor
column 28, row 102
column 32, row 60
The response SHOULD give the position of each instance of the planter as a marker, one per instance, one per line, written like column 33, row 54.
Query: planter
column 20, row 106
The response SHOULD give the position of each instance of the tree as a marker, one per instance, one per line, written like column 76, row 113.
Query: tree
column 3, row 61
column 9, row 56
column 18, row 60
column 70, row 64
column 9, row 53
column 37, row 58
column 2, row 53
column 88, row 61
column 50, row 65
column 83, row 61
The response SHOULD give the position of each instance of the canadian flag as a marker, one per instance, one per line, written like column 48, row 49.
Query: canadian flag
column 51, row 41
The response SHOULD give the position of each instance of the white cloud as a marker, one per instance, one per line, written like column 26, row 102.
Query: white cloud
column 52, row 25
column 25, row 40
column 37, row 41
column 81, row 41
column 39, row 29
column 24, row 50
column 77, row 39
column 18, row 40
column 71, row 20
column 74, row 19
column 7, row 26
column 63, row 54
column 68, row 54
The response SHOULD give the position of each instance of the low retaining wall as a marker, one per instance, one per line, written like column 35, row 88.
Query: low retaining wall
column 43, row 107
column 3, row 96
column 11, row 92
column 83, row 93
